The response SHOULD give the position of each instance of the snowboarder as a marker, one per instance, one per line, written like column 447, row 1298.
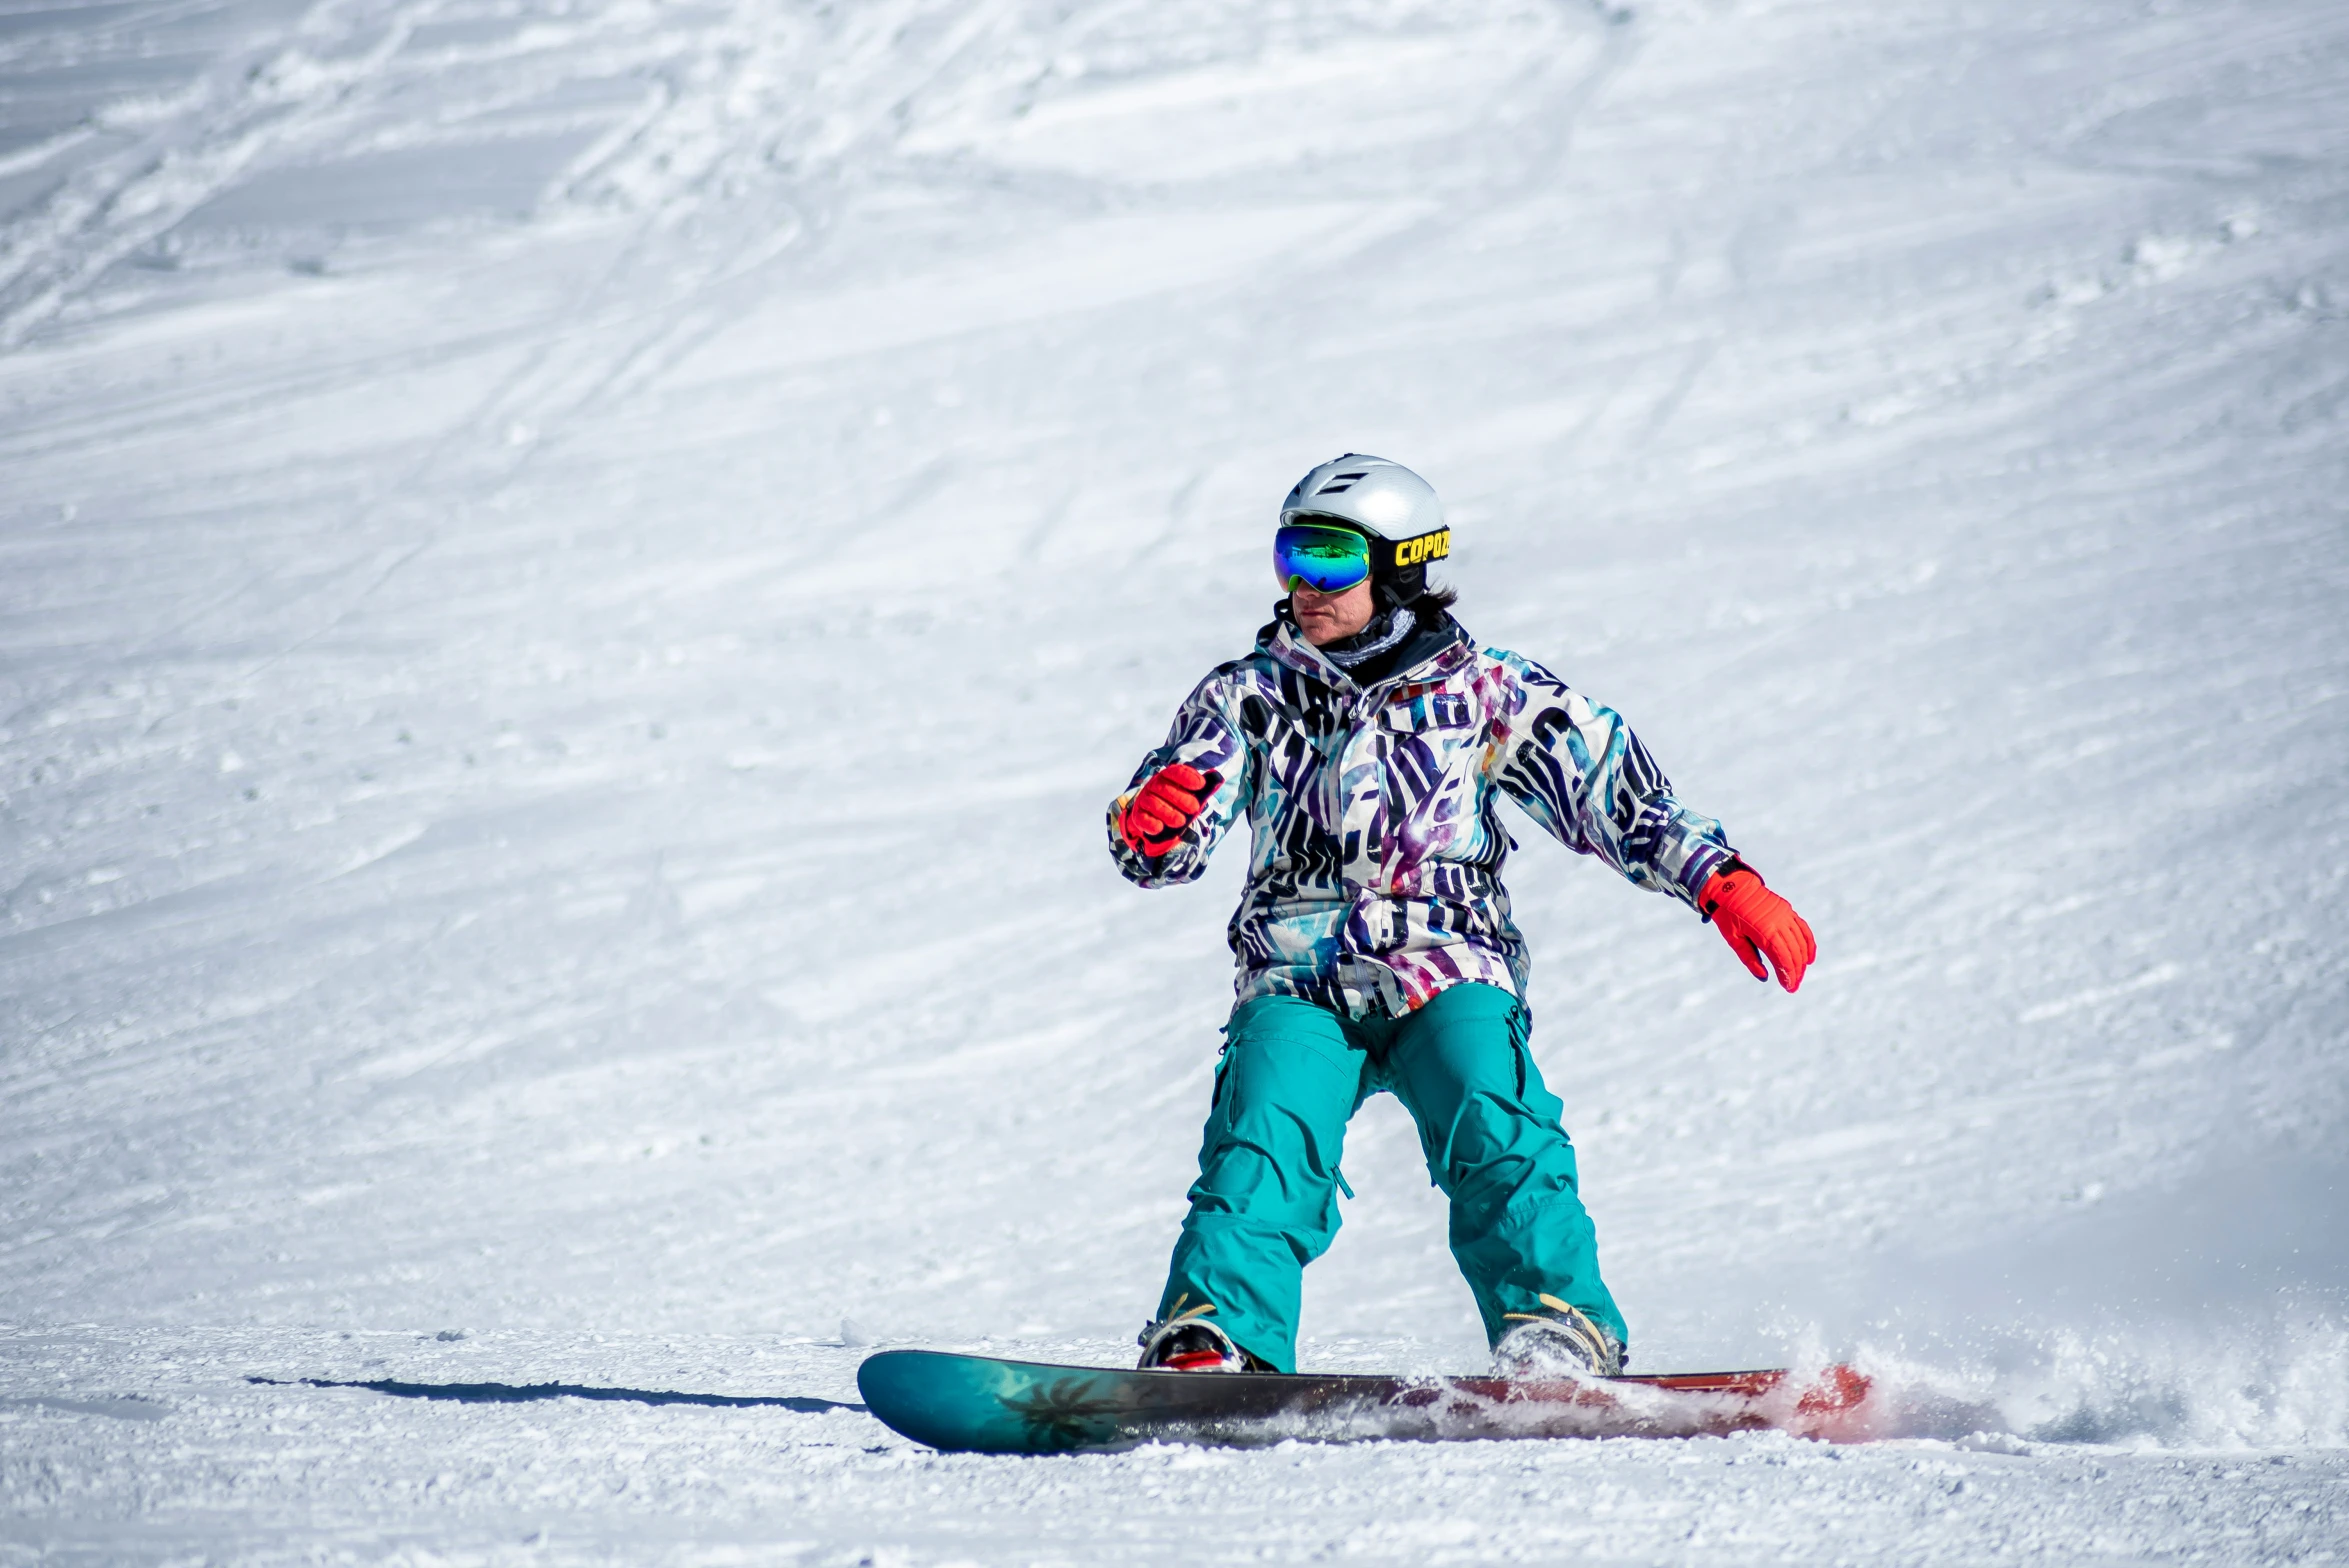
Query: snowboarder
column 1369, row 741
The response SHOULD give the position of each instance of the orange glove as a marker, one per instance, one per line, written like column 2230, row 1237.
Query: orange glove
column 1167, row 803
column 1757, row 923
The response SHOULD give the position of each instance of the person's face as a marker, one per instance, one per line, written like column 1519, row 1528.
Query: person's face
column 1326, row 617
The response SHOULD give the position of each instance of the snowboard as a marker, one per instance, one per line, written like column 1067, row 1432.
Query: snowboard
column 982, row 1404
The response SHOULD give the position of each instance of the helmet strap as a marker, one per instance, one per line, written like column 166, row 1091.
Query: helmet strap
column 1398, row 586
column 1399, row 570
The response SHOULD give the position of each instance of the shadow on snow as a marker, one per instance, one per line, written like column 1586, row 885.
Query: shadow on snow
column 512, row 1393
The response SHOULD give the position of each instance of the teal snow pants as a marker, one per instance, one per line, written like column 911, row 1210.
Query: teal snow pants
column 1265, row 1203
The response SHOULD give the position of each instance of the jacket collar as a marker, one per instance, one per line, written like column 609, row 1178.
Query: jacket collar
column 1282, row 642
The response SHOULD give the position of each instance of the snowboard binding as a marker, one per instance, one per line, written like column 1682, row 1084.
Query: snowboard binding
column 1562, row 1342
column 1184, row 1341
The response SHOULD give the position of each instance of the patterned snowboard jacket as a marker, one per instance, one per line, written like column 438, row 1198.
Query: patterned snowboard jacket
column 1375, row 872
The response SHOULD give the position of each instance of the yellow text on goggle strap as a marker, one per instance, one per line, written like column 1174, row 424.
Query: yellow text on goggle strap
column 1427, row 547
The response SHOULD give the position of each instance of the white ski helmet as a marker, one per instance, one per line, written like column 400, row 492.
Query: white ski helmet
column 1391, row 504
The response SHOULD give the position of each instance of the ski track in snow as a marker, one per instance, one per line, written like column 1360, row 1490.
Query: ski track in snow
column 575, row 575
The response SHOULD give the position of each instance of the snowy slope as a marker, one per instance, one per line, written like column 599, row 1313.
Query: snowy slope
column 578, row 573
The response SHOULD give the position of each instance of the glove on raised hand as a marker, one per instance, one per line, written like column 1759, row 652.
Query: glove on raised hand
column 1757, row 923
column 1168, row 802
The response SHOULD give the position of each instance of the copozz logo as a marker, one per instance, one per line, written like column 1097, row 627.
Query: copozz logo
column 1427, row 547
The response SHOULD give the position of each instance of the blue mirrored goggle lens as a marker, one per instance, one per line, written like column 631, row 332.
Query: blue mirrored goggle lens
column 1328, row 560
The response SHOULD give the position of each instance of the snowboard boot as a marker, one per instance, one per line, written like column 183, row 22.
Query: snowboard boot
column 1184, row 1341
column 1562, row 1342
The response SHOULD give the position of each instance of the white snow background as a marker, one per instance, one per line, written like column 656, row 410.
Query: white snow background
column 578, row 572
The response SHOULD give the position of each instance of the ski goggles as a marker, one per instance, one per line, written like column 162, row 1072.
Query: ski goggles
column 1326, row 560
column 1331, row 559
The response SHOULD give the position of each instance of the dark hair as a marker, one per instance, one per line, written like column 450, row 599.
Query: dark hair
column 1437, row 600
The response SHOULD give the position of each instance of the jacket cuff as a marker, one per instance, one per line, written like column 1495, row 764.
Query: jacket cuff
column 1706, row 861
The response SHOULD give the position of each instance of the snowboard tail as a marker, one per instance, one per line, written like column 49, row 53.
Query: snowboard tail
column 982, row 1404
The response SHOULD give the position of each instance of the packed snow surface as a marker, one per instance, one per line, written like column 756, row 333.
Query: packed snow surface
column 578, row 574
